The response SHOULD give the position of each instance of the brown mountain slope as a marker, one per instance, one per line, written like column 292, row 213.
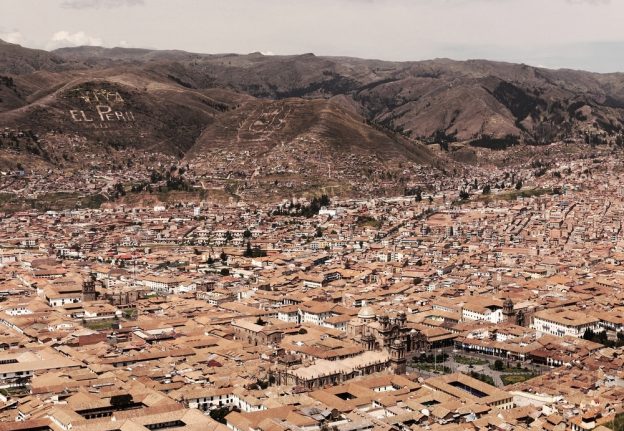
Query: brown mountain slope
column 260, row 126
column 299, row 145
column 17, row 60
column 477, row 101
column 380, row 108
column 121, row 109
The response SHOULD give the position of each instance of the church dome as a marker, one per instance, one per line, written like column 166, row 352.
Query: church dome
column 366, row 313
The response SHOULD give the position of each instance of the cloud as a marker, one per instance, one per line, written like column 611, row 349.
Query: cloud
column 589, row 2
column 99, row 4
column 13, row 37
column 64, row 38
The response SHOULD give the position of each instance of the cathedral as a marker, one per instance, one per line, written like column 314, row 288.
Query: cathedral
column 388, row 333
column 88, row 288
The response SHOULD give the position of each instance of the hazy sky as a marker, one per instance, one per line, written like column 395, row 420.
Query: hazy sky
column 583, row 34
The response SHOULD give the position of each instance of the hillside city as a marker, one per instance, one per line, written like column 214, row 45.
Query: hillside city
column 490, row 302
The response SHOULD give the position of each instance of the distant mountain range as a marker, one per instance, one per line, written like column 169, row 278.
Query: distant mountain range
column 187, row 104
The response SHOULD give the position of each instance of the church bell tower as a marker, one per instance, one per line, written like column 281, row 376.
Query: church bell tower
column 88, row 288
column 397, row 357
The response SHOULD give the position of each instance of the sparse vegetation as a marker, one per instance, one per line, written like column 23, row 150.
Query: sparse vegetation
column 465, row 360
column 483, row 377
column 602, row 337
column 100, row 325
column 617, row 424
column 368, row 221
column 510, row 379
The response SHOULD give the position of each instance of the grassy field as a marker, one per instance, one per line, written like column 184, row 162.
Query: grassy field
column 469, row 361
column 130, row 313
column 100, row 325
column 367, row 221
column 430, row 367
column 617, row 424
column 510, row 379
column 50, row 201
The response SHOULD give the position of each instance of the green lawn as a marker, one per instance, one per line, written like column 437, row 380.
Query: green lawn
column 510, row 379
column 618, row 423
column 430, row 367
column 465, row 360
column 15, row 391
column 99, row 325
column 130, row 313
column 367, row 221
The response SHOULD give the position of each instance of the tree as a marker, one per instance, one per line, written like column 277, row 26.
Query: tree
column 518, row 185
column 617, row 424
column 248, row 251
column 228, row 236
column 223, row 257
column 414, row 191
column 254, row 251
column 247, row 234
column 498, row 365
column 119, row 189
column 486, row 189
column 155, row 176
column 225, row 272
column 464, row 195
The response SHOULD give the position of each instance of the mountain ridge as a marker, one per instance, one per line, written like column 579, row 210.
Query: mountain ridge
column 174, row 102
column 438, row 82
